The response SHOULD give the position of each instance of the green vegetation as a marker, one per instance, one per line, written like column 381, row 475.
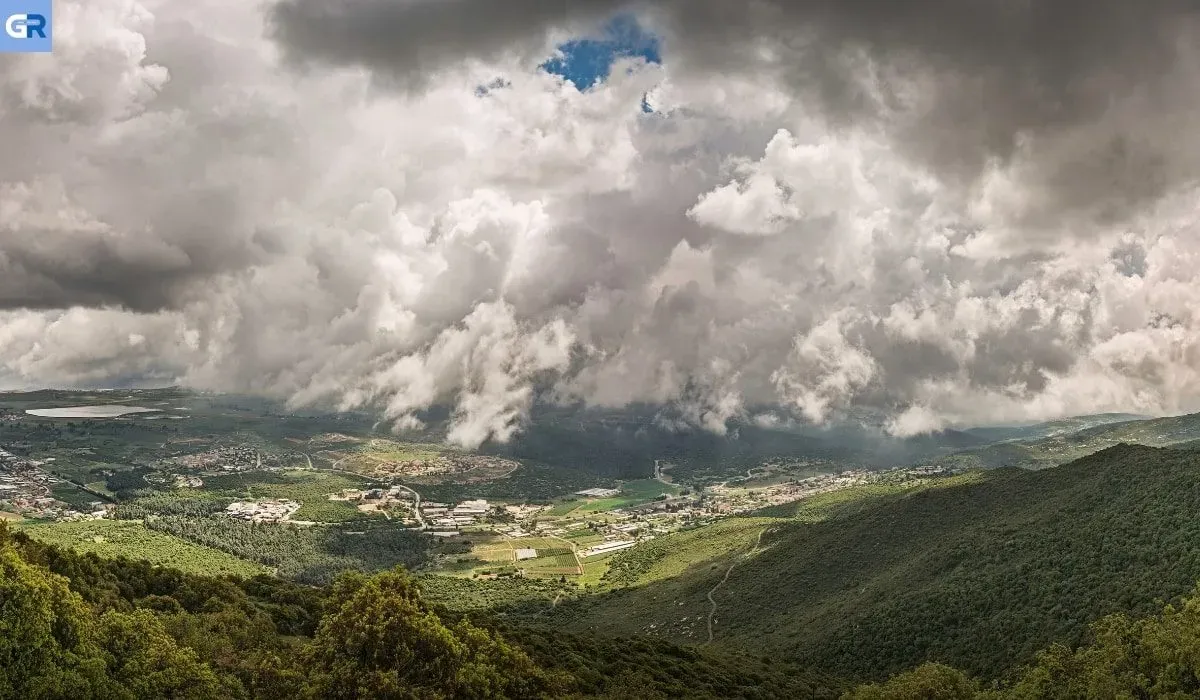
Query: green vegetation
column 307, row 554
column 669, row 556
column 74, row 496
column 644, row 668
column 992, row 584
column 113, row 538
column 157, row 633
column 846, row 502
column 195, row 504
column 552, row 562
column 490, row 554
column 53, row 646
column 564, row 508
column 533, row 483
column 632, row 493
column 395, row 451
column 978, row 575
column 310, row 488
column 470, row 595
column 330, row 512
column 1125, row 658
column 85, row 627
column 1069, row 444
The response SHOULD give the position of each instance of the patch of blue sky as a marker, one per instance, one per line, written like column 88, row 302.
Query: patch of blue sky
column 587, row 61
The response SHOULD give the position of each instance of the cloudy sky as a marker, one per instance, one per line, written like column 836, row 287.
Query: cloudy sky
column 945, row 211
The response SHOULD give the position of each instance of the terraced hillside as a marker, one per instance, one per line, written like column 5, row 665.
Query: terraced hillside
column 978, row 575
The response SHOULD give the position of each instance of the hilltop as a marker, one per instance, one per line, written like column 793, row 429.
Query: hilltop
column 978, row 573
column 1058, row 442
column 1052, row 428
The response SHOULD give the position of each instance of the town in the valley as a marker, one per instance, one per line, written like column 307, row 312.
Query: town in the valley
column 490, row 539
column 27, row 489
column 515, row 538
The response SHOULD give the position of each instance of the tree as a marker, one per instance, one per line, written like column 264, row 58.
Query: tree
column 927, row 682
column 46, row 636
column 145, row 662
column 378, row 639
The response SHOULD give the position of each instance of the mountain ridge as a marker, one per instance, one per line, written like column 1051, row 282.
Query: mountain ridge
column 1000, row 568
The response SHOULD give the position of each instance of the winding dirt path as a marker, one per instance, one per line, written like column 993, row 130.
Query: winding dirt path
column 711, row 601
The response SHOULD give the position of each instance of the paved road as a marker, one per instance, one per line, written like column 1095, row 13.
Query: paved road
column 658, row 475
column 416, row 496
column 416, row 506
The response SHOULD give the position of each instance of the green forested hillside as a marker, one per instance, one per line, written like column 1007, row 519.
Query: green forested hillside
column 79, row 626
column 1052, row 428
column 1074, row 440
column 1154, row 657
column 978, row 575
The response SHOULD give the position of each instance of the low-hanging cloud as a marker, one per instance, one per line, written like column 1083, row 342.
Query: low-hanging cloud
column 939, row 213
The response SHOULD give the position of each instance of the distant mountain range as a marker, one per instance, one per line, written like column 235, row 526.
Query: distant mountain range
column 625, row 442
column 1062, row 426
column 1050, row 444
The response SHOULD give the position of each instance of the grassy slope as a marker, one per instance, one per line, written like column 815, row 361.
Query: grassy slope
column 110, row 538
column 979, row 575
column 632, row 493
column 672, row 555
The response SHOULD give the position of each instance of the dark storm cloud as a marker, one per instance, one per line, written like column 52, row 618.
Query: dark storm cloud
column 1082, row 95
column 410, row 38
column 63, row 259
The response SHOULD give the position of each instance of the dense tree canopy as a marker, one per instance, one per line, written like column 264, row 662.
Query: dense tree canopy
column 53, row 646
column 1155, row 657
column 980, row 575
column 81, row 627
column 379, row 640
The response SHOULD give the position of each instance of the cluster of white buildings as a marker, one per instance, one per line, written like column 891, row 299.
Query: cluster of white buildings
column 26, row 489
column 232, row 458
column 598, row 493
column 608, row 548
column 445, row 464
column 445, row 515
column 270, row 511
column 387, row 495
